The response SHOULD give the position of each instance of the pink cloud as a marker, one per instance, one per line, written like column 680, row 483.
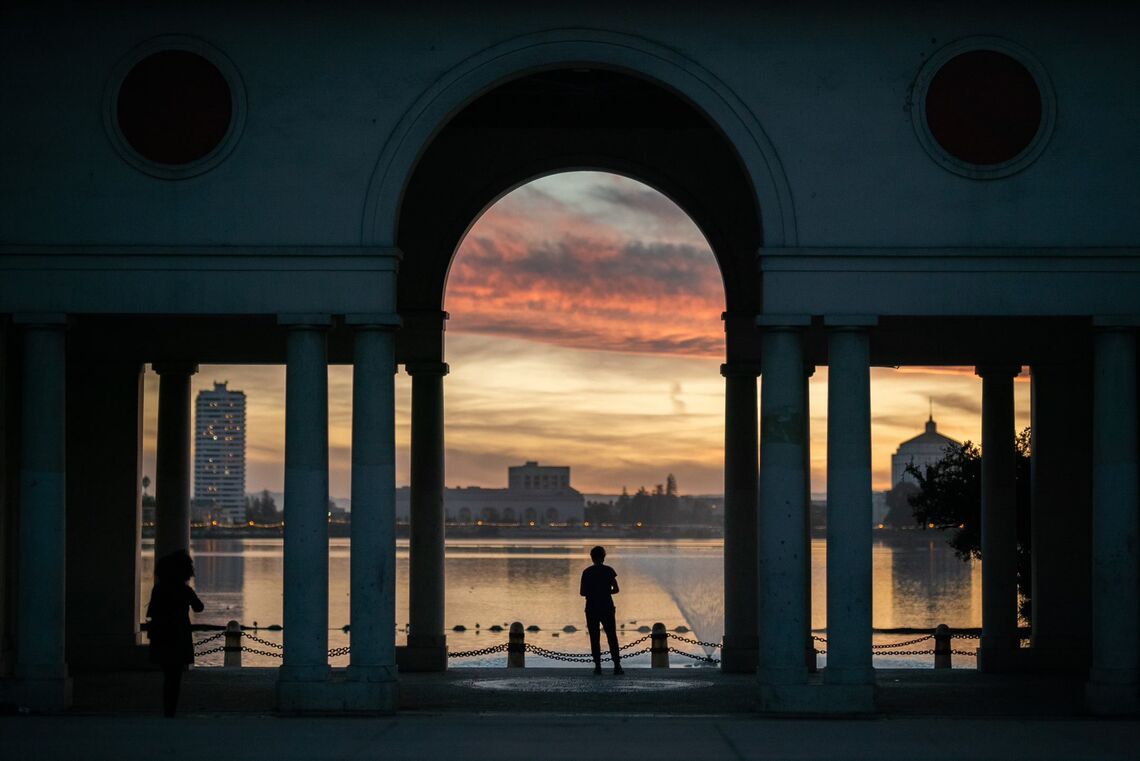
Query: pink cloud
column 536, row 269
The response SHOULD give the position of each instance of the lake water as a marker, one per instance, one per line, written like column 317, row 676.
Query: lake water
column 917, row 582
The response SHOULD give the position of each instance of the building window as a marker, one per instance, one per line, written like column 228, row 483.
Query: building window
column 983, row 108
column 174, row 107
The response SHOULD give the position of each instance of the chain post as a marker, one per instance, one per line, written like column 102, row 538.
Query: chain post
column 232, row 649
column 942, row 647
column 659, row 647
column 516, row 647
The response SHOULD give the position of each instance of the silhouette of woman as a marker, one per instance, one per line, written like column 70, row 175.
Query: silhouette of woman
column 171, row 646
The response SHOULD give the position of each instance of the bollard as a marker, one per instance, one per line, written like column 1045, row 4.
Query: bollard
column 659, row 647
column 516, row 647
column 942, row 647
column 232, row 652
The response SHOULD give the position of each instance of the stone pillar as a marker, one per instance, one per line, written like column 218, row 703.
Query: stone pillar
column 41, row 668
column 427, row 643
column 740, row 497
column 104, row 456
column 849, row 515
column 1061, row 521
column 1112, row 685
column 306, row 595
column 373, row 557
column 780, row 524
column 8, row 494
column 172, row 459
column 998, row 520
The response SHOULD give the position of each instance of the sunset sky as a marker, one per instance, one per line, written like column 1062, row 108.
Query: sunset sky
column 585, row 331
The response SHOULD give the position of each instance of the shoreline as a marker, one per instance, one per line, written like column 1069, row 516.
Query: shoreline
column 470, row 531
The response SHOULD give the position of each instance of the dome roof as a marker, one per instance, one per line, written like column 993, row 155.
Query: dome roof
column 929, row 437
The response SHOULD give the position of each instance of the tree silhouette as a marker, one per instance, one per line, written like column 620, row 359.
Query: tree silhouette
column 949, row 496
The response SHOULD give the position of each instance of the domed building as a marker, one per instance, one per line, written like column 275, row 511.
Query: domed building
column 925, row 449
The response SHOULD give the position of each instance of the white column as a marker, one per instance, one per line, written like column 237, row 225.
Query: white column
column 172, row 458
column 40, row 662
column 848, row 508
column 740, row 489
column 373, row 556
column 306, row 598
column 427, row 643
column 998, row 520
column 781, row 527
column 1112, row 686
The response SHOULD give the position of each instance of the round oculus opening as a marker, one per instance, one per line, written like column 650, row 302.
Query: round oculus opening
column 983, row 107
column 174, row 107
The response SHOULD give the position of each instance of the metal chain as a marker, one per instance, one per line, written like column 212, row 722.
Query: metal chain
column 211, row 638
column 339, row 651
column 971, row 653
column 903, row 652
column 914, row 641
column 209, row 651
column 261, row 641
column 701, row 658
column 262, row 652
column 484, row 651
column 694, row 641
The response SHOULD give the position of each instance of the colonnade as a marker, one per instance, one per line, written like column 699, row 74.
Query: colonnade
column 767, row 588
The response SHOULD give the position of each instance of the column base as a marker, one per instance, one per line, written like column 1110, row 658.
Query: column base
column 118, row 653
column 1103, row 699
column 739, row 655
column 817, row 699
column 421, row 658
column 44, row 694
column 339, row 694
column 1001, row 660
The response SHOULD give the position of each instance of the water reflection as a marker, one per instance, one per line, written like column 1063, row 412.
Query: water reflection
column 917, row 582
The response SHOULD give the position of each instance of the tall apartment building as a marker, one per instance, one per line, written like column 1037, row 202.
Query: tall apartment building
column 219, row 453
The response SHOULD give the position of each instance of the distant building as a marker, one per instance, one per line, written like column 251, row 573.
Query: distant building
column 535, row 493
column 219, row 454
column 925, row 449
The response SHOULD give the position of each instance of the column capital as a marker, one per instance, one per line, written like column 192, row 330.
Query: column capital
column 175, row 368
column 377, row 321
column 740, row 369
column 998, row 370
column 427, row 368
column 40, row 319
column 1116, row 321
column 313, row 321
column 850, row 321
column 783, row 321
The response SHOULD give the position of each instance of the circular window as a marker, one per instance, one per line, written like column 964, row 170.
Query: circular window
column 174, row 107
column 983, row 108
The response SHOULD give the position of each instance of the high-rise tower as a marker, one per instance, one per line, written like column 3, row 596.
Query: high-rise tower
column 219, row 453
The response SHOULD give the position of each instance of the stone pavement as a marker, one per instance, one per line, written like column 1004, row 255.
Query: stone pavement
column 472, row 714
column 675, row 691
column 552, row 737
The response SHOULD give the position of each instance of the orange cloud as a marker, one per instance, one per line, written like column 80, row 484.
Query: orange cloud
column 539, row 269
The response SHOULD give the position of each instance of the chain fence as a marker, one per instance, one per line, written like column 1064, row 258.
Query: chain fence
column 882, row 649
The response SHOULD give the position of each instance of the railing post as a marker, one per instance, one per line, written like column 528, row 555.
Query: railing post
column 232, row 651
column 942, row 647
column 516, row 647
column 659, row 647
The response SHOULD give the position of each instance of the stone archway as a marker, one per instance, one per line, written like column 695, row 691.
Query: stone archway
column 562, row 101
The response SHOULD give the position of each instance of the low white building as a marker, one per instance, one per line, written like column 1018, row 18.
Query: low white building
column 536, row 495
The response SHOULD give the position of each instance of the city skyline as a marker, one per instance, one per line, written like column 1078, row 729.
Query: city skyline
column 585, row 329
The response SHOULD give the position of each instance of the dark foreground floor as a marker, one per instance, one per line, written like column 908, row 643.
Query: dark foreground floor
column 903, row 692
column 541, row 737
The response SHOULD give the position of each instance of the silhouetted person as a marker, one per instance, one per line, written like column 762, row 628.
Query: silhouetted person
column 171, row 645
column 599, row 585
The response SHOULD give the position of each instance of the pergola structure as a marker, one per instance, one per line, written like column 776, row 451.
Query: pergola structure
column 869, row 203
